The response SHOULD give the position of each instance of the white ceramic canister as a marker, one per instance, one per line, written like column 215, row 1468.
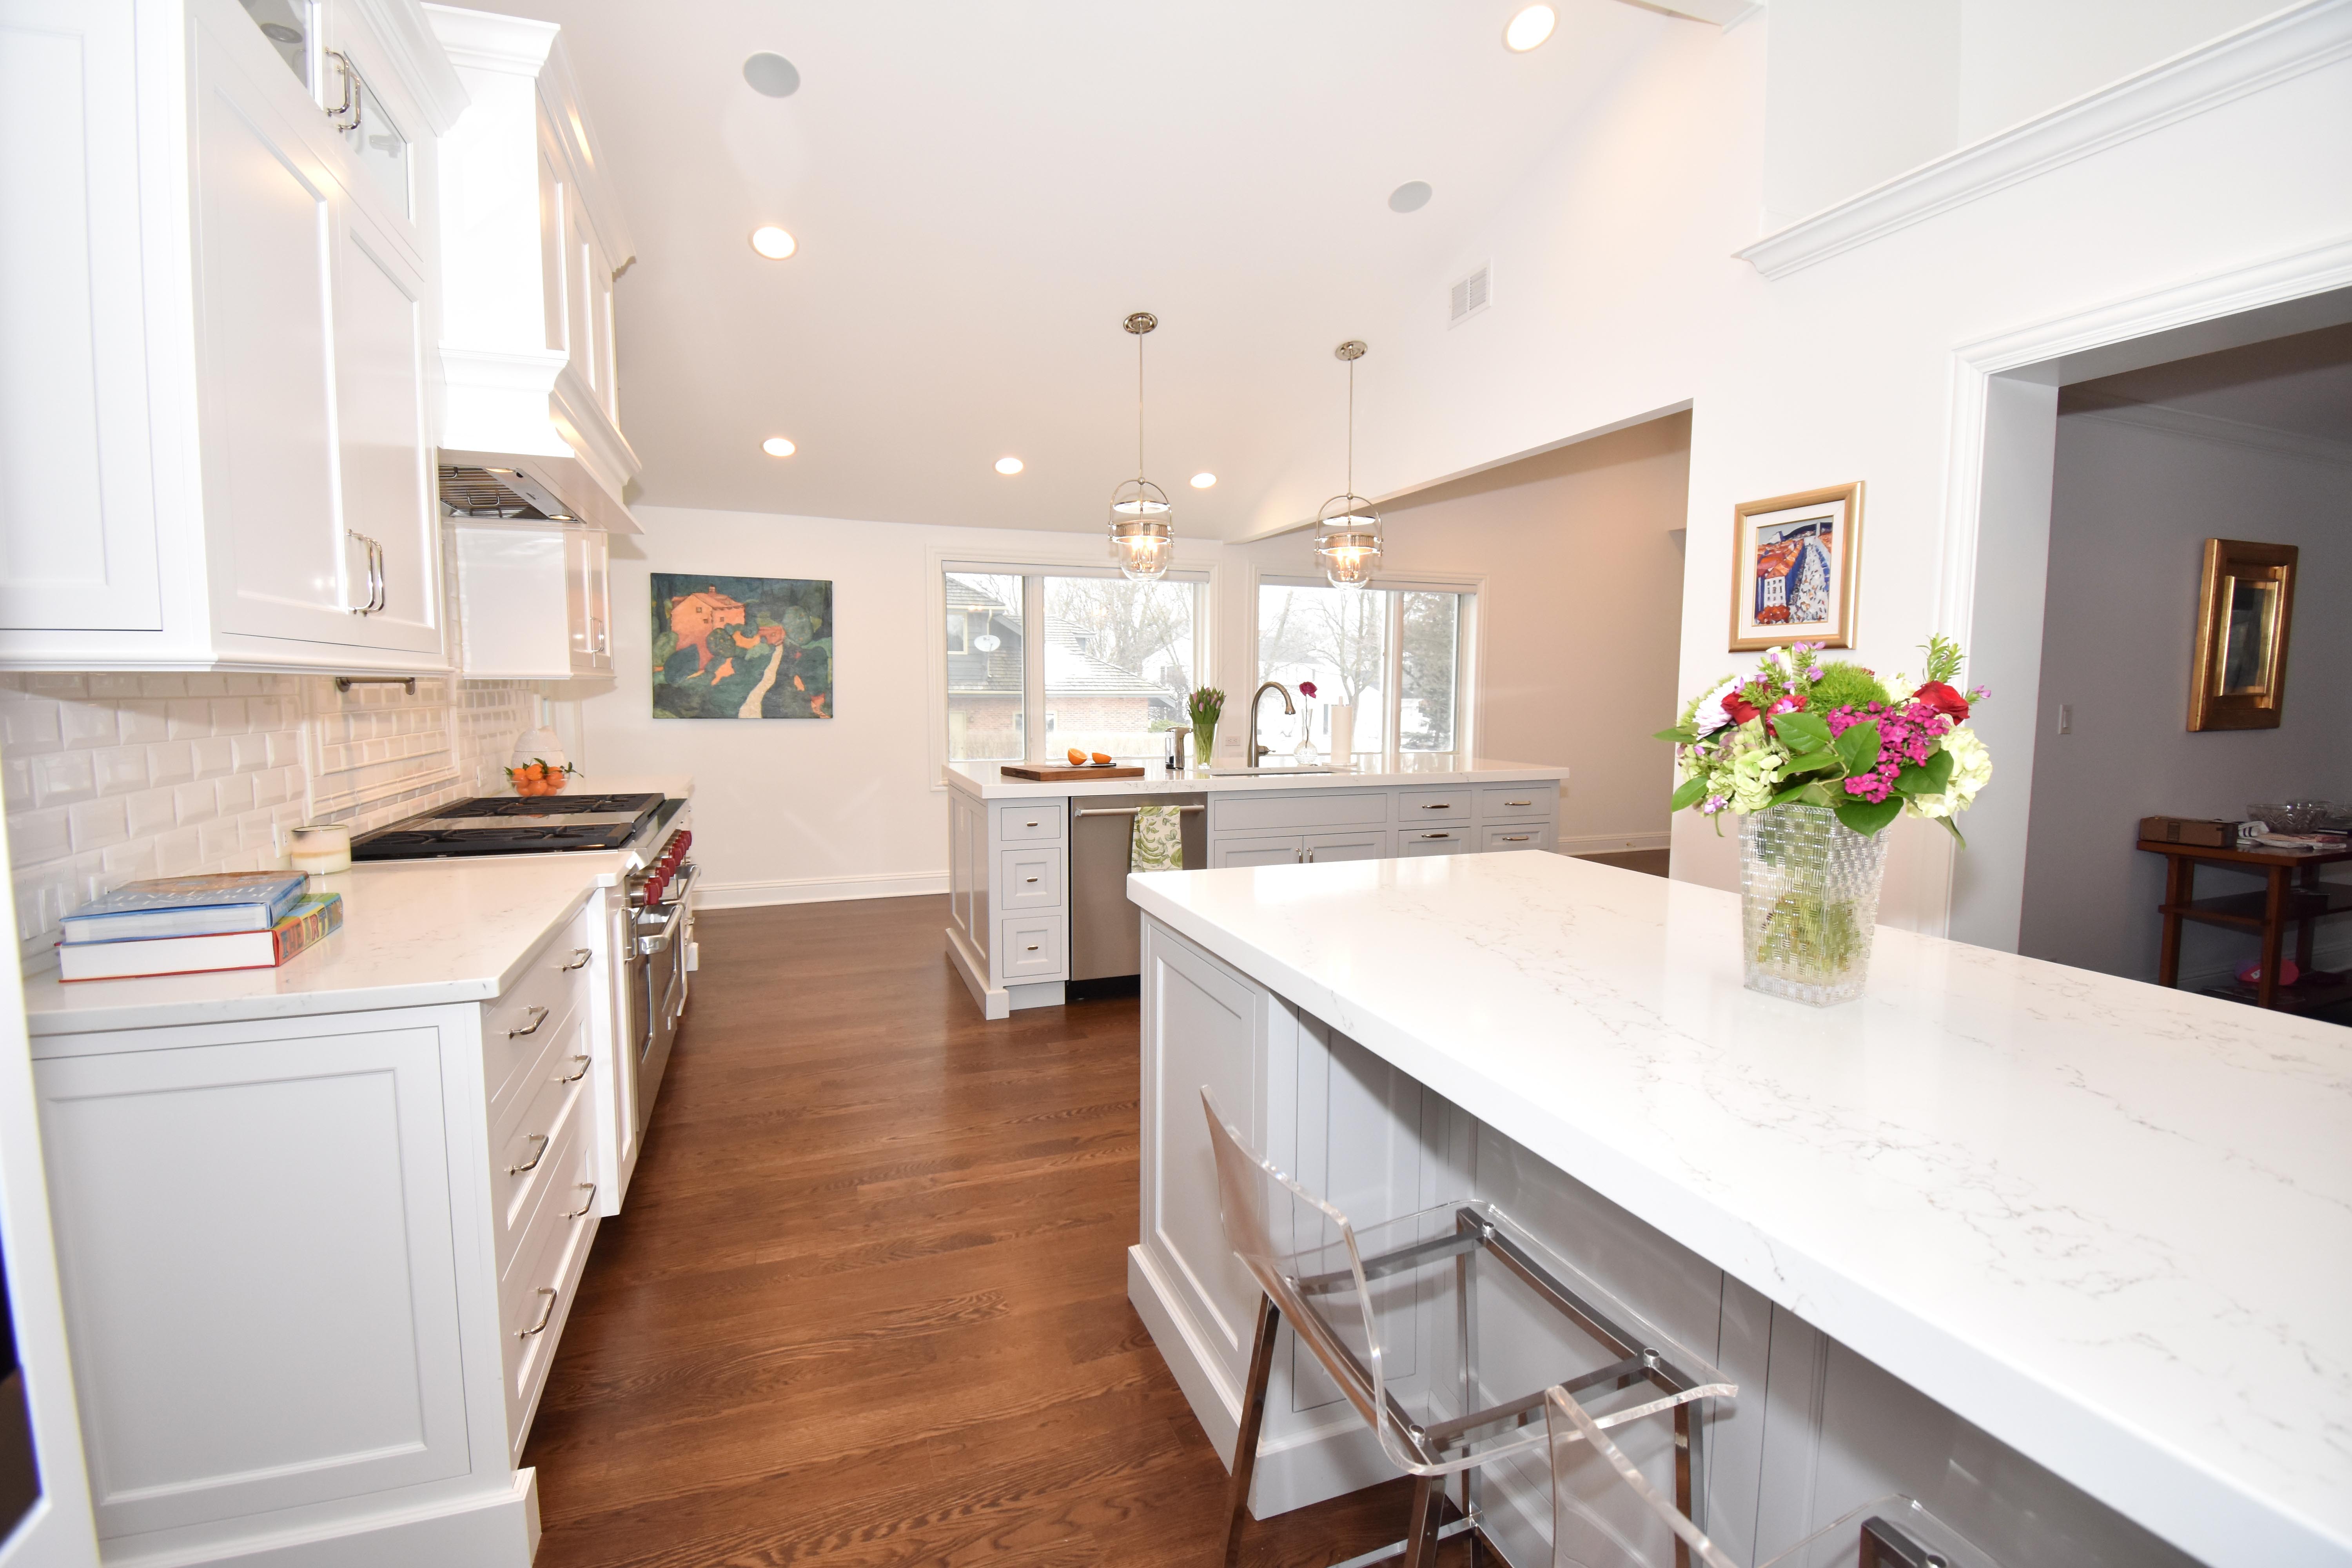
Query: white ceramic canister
column 318, row 849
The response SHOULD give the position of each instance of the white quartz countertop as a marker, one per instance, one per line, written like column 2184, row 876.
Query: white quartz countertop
column 414, row 934
column 1371, row 769
column 2109, row 1222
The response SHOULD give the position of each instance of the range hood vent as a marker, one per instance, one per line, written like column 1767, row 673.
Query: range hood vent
column 494, row 487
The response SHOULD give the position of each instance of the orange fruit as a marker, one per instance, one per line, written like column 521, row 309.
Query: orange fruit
column 536, row 771
column 1077, row 758
column 1102, row 757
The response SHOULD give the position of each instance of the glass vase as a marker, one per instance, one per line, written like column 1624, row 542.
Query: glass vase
column 1808, row 903
column 1205, row 741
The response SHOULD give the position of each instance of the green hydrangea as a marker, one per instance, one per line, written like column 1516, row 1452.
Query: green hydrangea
column 1844, row 685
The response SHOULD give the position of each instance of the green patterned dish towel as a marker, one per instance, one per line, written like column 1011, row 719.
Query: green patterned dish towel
column 1159, row 843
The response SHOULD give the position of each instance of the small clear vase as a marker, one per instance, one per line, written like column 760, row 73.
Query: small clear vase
column 1808, row 903
column 1204, row 742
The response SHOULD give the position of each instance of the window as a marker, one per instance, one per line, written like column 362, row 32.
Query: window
column 1397, row 654
column 1108, row 673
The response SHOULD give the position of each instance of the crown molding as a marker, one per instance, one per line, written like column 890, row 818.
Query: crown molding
column 2285, row 45
column 484, row 40
column 2169, row 421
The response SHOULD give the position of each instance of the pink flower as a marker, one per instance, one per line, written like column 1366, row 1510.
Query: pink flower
column 1306, row 687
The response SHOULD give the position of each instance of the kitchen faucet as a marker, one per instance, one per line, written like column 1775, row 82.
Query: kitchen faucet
column 1257, row 751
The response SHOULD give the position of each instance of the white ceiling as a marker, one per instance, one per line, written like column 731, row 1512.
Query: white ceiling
column 981, row 192
column 2299, row 386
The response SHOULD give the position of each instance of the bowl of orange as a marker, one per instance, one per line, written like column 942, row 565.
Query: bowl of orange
column 539, row 777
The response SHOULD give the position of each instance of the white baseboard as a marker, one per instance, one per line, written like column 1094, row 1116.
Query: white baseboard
column 480, row 1528
column 1612, row 842
column 818, row 889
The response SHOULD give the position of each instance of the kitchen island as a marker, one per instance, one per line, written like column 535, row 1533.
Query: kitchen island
column 2064, row 1256
column 1038, row 871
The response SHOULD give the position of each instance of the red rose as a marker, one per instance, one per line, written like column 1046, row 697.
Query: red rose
column 1794, row 702
column 1944, row 700
column 1740, row 708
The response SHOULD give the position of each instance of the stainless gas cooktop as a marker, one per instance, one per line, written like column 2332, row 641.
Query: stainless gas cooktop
column 507, row 824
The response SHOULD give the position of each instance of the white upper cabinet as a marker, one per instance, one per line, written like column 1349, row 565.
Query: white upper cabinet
column 531, row 238
column 532, row 601
column 220, row 454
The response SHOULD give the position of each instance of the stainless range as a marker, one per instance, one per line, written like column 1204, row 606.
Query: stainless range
column 661, row 935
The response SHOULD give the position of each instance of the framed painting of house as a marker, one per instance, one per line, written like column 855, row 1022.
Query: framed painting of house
column 741, row 648
column 1793, row 569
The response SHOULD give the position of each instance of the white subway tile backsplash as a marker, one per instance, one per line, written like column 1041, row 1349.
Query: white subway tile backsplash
column 109, row 777
column 60, row 776
column 95, row 823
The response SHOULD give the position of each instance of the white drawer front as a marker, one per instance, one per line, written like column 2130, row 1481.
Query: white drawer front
column 552, row 988
column 1502, row 835
column 1433, row 807
column 1289, row 850
column 1031, row 949
column 1417, row 841
column 1031, row 879
column 1513, row 802
column 1025, row 820
column 522, row 1157
column 536, row 1299
column 1312, row 808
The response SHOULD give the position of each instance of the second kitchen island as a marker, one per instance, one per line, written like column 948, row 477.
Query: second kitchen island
column 1037, row 872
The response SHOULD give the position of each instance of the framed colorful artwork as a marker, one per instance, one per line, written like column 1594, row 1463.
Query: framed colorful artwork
column 741, row 648
column 1794, row 569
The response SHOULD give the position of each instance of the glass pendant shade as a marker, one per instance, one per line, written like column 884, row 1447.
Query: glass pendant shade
column 1348, row 541
column 1142, row 536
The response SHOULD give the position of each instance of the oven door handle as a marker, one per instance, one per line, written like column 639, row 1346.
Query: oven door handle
column 649, row 945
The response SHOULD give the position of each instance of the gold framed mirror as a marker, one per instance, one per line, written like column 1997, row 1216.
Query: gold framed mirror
column 2245, row 609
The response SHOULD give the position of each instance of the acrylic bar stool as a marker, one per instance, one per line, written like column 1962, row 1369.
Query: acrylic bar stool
column 1359, row 1299
column 1649, row 1529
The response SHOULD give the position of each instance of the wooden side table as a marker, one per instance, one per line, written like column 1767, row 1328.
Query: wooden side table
column 2294, row 892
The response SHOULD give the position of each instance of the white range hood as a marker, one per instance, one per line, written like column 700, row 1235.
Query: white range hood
column 531, row 239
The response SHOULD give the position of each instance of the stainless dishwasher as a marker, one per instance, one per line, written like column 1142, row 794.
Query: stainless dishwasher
column 1106, row 930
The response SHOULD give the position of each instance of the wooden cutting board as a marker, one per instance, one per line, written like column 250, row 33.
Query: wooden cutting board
column 1057, row 772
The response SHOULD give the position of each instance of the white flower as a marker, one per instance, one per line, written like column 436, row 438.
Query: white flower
column 1972, row 771
column 1708, row 716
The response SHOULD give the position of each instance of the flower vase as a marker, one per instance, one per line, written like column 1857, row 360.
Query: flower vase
column 1204, row 743
column 1808, row 903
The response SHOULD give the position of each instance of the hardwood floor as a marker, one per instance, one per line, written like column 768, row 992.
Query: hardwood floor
column 1651, row 862
column 867, row 1301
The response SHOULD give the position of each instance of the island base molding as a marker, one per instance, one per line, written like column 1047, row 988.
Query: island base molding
column 1816, row 1428
column 476, row 1527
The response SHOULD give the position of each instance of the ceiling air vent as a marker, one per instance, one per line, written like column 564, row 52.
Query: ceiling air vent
column 1471, row 295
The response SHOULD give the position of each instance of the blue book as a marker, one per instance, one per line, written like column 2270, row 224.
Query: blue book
column 187, row 905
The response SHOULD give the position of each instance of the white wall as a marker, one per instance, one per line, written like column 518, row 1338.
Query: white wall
column 792, row 810
column 1617, row 293
column 1580, row 551
column 2132, row 508
column 2021, row 58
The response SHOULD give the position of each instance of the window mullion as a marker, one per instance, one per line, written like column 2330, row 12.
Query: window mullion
column 1393, row 677
column 1033, row 666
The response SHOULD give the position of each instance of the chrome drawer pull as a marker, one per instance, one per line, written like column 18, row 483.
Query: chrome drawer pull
column 1440, row 805
column 1514, row 838
column 580, row 957
column 536, row 1156
column 546, row 1315
column 537, row 1015
column 590, row 1188
column 1519, row 802
column 1434, row 835
column 575, row 1078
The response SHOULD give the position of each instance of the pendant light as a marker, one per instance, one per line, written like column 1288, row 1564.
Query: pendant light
column 1348, row 531
column 1141, row 537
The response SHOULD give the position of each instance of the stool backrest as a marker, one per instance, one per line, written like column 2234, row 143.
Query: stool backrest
column 1293, row 1243
column 1886, row 1532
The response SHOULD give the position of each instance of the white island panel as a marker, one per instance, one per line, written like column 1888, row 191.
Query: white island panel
column 2107, row 1223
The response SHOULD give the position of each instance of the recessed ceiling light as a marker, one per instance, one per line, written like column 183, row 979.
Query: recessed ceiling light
column 1203, row 481
column 1410, row 197
column 777, row 446
column 1008, row 465
column 772, row 74
column 1529, row 28
column 772, row 242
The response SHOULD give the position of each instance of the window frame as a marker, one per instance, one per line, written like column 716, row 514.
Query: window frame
column 1033, row 571
column 1468, row 656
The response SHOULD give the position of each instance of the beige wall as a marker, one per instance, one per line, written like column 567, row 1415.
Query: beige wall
column 1582, row 556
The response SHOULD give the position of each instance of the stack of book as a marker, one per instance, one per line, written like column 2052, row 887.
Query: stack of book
column 183, row 925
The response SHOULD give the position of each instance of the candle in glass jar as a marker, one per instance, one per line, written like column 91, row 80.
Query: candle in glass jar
column 321, row 847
